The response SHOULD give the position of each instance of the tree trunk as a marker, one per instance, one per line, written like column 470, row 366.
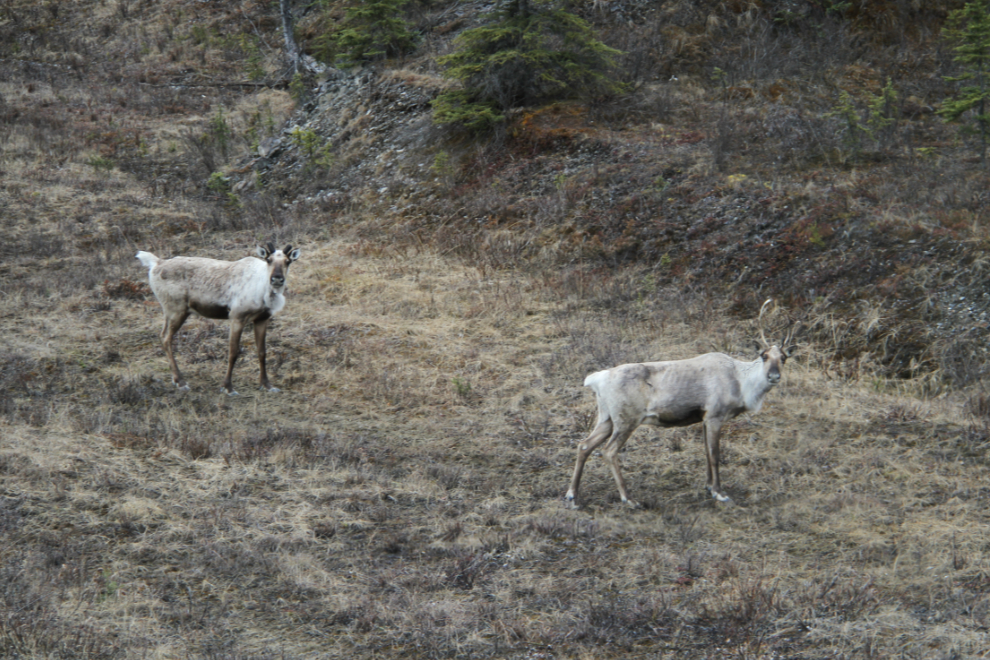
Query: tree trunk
column 291, row 48
column 517, row 8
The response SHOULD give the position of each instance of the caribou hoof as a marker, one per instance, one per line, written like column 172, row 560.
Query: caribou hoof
column 631, row 504
column 720, row 497
column 229, row 392
column 270, row 389
column 183, row 387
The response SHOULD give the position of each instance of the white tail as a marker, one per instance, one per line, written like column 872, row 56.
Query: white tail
column 149, row 260
column 245, row 291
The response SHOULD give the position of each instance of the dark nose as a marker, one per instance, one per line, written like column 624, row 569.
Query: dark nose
column 277, row 280
column 774, row 375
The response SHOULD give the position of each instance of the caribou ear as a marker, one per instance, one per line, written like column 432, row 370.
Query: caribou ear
column 294, row 255
column 261, row 252
column 758, row 347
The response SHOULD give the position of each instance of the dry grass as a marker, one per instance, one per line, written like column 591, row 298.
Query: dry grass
column 402, row 496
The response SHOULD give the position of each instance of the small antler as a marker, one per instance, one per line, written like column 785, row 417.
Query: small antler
column 793, row 333
column 271, row 248
column 760, row 321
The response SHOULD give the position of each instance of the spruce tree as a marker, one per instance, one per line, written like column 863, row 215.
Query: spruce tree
column 373, row 31
column 969, row 28
column 532, row 52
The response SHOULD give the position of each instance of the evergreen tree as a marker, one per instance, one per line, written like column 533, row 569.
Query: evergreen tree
column 373, row 31
column 532, row 52
column 969, row 28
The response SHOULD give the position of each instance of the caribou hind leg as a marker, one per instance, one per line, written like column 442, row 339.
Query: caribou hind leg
column 172, row 325
column 611, row 455
column 601, row 433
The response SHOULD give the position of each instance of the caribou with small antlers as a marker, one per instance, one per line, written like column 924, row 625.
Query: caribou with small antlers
column 245, row 291
column 709, row 389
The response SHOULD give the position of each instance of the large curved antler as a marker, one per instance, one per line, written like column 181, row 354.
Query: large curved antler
column 763, row 336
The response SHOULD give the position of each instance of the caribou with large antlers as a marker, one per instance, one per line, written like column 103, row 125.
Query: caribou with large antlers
column 709, row 389
column 245, row 291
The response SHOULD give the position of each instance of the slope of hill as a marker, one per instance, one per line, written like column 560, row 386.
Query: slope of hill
column 402, row 496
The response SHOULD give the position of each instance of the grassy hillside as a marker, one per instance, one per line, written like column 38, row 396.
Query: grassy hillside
column 402, row 495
